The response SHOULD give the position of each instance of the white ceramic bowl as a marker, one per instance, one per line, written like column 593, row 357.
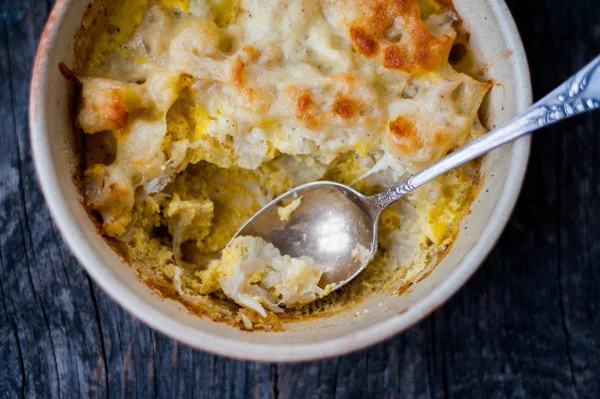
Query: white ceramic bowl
column 496, row 43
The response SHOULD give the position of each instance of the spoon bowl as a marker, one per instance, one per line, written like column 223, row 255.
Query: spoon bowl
column 333, row 224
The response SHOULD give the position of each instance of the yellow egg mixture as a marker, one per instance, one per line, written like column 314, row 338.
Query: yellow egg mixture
column 197, row 113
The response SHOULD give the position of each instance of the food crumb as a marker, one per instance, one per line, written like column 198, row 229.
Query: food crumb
column 177, row 280
column 246, row 320
column 361, row 254
column 285, row 212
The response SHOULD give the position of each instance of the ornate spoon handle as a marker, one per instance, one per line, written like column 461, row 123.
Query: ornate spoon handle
column 579, row 94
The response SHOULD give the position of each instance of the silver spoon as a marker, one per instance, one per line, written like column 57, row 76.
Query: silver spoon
column 333, row 219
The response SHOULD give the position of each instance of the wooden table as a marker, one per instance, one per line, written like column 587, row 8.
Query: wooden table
column 526, row 325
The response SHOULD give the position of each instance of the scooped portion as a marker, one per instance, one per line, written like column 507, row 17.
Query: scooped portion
column 254, row 274
column 197, row 113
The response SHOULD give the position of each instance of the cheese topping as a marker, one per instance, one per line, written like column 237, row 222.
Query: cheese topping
column 285, row 212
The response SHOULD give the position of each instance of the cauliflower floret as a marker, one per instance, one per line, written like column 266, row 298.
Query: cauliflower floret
column 106, row 104
column 255, row 275
column 199, row 37
column 155, row 30
column 419, row 132
column 111, row 194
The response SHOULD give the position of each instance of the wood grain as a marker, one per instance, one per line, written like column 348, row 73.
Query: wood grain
column 526, row 325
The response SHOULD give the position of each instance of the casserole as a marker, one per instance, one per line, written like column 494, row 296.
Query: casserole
column 494, row 40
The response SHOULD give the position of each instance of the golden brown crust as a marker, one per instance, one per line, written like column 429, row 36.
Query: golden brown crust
column 117, row 113
column 363, row 42
column 247, row 55
column 250, row 53
column 423, row 52
column 344, row 106
column 108, row 113
column 237, row 71
column 395, row 57
column 306, row 111
column 119, row 191
column 254, row 99
column 404, row 134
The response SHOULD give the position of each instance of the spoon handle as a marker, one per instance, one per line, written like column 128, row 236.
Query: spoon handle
column 579, row 94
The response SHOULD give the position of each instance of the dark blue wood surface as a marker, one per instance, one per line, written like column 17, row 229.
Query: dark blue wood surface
column 526, row 325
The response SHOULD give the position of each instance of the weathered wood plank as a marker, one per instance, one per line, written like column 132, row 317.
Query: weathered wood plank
column 144, row 363
column 401, row 367
column 186, row 373
column 578, row 177
column 48, row 293
column 11, row 363
column 130, row 369
column 503, row 334
column 35, row 345
column 11, row 367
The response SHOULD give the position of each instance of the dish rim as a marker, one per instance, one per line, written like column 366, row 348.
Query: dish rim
column 230, row 347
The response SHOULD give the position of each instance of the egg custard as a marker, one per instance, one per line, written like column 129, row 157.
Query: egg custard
column 196, row 113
